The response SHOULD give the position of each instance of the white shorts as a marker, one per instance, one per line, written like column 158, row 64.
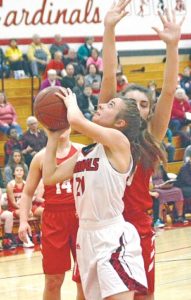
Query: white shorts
column 110, row 258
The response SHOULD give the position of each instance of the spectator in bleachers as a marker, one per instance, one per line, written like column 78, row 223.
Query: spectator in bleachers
column 84, row 51
column 58, row 45
column 51, row 80
column 6, row 216
column 8, row 116
column 34, row 139
column 181, row 111
column 92, row 74
column 16, row 158
column 170, row 149
column 14, row 191
column 69, row 81
column 184, row 180
column 79, row 87
column 122, row 81
column 38, row 55
column 152, row 86
column 187, row 154
column 87, row 102
column 185, row 81
column 74, row 60
column 4, row 67
column 96, row 86
column 15, row 59
column 1, row 180
column 157, row 222
column 168, row 193
column 55, row 64
column 13, row 143
column 95, row 59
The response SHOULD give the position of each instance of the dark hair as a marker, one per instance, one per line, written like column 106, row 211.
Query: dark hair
column 18, row 166
column 150, row 149
column 131, row 114
column 11, row 161
column 88, row 68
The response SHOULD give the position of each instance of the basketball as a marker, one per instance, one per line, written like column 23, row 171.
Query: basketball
column 50, row 110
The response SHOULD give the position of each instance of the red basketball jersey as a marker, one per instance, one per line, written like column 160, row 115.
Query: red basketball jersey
column 61, row 193
column 17, row 191
column 137, row 199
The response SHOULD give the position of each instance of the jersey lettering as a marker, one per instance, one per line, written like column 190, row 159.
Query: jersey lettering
column 80, row 185
column 90, row 164
column 66, row 185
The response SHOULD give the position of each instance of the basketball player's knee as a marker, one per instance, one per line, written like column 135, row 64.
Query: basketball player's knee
column 54, row 282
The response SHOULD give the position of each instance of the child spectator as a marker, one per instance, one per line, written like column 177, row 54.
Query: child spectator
column 13, row 143
column 122, row 82
column 8, row 241
column 87, row 102
column 96, row 85
column 8, row 116
column 51, row 80
column 79, row 87
column 15, row 159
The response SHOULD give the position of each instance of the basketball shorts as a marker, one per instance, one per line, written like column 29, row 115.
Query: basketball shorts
column 59, row 231
column 109, row 258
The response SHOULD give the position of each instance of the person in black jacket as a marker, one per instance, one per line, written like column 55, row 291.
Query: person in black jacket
column 87, row 102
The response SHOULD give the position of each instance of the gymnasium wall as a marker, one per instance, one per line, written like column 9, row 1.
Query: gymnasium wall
column 75, row 19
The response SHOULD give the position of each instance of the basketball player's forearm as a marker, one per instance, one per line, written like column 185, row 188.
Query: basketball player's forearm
column 25, row 206
column 49, row 162
column 109, row 82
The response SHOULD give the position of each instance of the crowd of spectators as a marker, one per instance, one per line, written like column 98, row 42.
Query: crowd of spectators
column 81, row 71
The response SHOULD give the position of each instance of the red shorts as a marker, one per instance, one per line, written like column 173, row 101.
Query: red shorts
column 59, row 231
column 142, row 223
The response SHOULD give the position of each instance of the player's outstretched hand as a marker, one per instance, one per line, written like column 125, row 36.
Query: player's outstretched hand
column 116, row 13
column 24, row 231
column 171, row 32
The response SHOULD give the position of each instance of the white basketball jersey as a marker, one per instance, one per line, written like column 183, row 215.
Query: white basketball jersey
column 98, row 188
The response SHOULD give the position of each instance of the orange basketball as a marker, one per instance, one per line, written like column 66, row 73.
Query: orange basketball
column 50, row 110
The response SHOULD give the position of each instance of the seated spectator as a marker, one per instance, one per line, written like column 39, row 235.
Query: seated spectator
column 181, row 111
column 51, row 80
column 14, row 191
column 15, row 159
column 187, row 154
column 168, row 193
column 157, row 222
column 184, row 181
column 185, row 81
column 79, row 87
column 95, row 59
column 13, row 143
column 55, row 64
column 69, row 81
column 87, row 102
column 74, row 60
column 15, row 58
column 38, row 55
column 8, row 116
column 1, row 180
column 170, row 149
column 34, row 139
column 84, row 51
column 4, row 68
column 58, row 45
column 8, row 240
column 152, row 86
column 122, row 82
column 92, row 74
column 96, row 85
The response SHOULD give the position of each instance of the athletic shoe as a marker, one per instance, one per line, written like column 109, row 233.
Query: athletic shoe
column 158, row 224
column 181, row 220
column 8, row 244
column 29, row 243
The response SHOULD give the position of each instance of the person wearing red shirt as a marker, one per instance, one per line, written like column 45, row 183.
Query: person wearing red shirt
column 55, row 64
column 180, row 111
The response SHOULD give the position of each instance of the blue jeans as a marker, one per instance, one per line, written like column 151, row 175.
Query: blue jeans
column 5, row 129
